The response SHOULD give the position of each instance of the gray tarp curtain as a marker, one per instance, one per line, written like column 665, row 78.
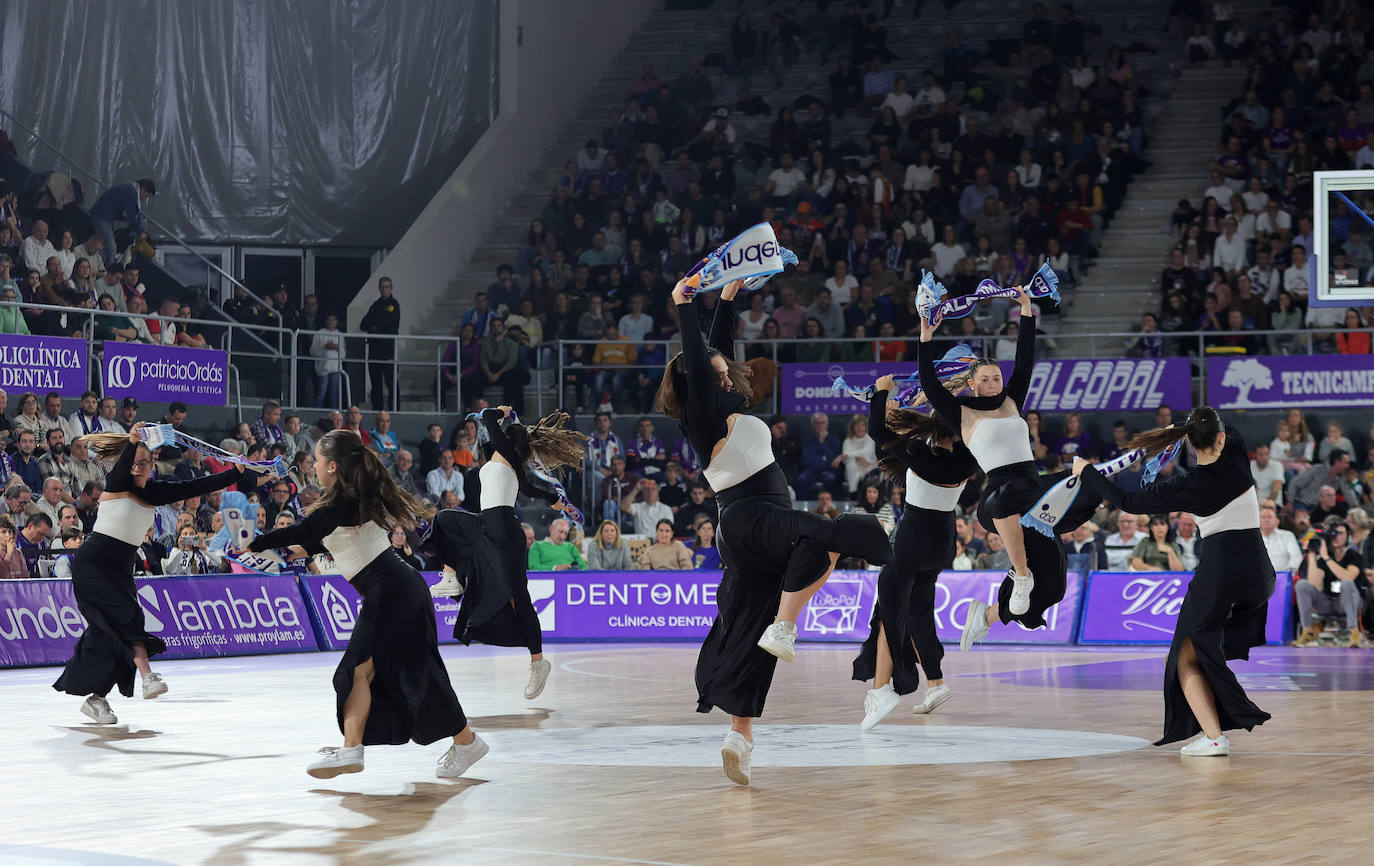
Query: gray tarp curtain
column 278, row 121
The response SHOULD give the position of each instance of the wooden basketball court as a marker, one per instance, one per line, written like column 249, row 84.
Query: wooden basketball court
column 1042, row 756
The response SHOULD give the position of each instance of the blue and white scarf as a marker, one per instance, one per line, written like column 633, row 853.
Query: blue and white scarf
column 535, row 467
column 954, row 362
column 753, row 255
column 1057, row 501
column 931, row 303
column 157, row 435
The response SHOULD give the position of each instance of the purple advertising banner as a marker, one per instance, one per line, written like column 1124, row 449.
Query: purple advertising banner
column 1142, row 607
column 1058, row 385
column 334, row 606
column 43, row 364
column 211, row 615
column 1284, row 381
column 161, row 374
column 638, row 605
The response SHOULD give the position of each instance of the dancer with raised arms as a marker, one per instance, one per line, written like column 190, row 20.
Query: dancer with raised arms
column 116, row 642
column 391, row 685
column 773, row 556
column 484, row 554
column 923, row 450
column 1226, row 605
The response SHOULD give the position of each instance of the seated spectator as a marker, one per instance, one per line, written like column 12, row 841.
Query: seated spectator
column 608, row 551
column 646, row 455
column 821, row 459
column 698, row 505
column 1083, row 551
column 189, row 555
column 52, row 498
column 1156, row 552
column 33, row 538
column 1328, row 505
column 556, row 553
column 1335, row 439
column 24, row 462
column 667, row 553
column 353, row 420
column 267, row 427
column 996, row 558
column 642, row 504
column 444, row 478
column 383, row 440
column 403, row 470
column 1305, row 488
column 68, row 540
column 1326, row 585
column 1268, row 474
column 604, row 445
column 401, row 543
column 825, row 505
column 1120, row 545
column 705, row 554
column 12, row 564
column 1282, row 546
column 858, row 453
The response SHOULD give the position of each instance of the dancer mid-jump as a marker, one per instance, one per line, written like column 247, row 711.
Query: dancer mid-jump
column 936, row 466
column 771, row 553
column 115, row 642
column 487, row 550
column 391, row 685
column 1225, row 608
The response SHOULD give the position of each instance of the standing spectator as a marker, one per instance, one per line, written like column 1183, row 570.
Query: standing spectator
column 327, row 349
column 556, row 553
column 604, row 445
column 821, row 459
column 383, row 318
column 444, row 478
column 500, row 365
column 121, row 202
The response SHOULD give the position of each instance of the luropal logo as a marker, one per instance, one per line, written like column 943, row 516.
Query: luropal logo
column 834, row 609
column 544, row 594
column 340, row 615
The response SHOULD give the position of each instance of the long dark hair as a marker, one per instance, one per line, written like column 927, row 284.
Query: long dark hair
column 362, row 477
column 672, row 391
column 550, row 441
column 1202, row 428
column 106, row 447
column 909, row 424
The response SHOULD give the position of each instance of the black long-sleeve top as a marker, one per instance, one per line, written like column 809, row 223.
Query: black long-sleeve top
column 1204, row 491
column 499, row 443
column 938, row 467
column 311, row 531
column 707, row 409
column 1016, row 388
column 161, row 491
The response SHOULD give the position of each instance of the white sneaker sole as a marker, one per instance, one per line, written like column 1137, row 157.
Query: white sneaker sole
column 928, row 706
column 458, row 771
column 733, row 771
column 781, row 649
column 336, row 770
column 1208, row 752
column 1021, row 589
column 155, row 690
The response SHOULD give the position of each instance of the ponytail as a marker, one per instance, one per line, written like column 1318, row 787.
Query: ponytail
column 1202, row 428
column 552, row 442
column 106, row 447
column 909, row 424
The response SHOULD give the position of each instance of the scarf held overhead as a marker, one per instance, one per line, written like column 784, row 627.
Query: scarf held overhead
column 753, row 255
column 934, row 308
column 955, row 362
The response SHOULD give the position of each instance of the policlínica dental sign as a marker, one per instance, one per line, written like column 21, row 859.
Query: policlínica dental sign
column 43, row 364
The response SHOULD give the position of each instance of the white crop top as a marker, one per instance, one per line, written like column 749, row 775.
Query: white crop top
column 353, row 547
column 922, row 494
column 748, row 449
column 1240, row 513
column 499, row 485
column 998, row 442
column 125, row 519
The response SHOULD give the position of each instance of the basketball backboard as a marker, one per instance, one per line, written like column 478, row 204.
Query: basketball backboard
column 1342, row 221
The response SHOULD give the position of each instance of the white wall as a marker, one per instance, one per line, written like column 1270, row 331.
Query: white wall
column 565, row 48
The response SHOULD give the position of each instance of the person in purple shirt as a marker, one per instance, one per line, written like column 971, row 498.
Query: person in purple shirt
column 121, row 202
column 1074, row 442
column 684, row 456
column 646, row 453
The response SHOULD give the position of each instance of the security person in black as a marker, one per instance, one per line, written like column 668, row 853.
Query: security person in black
column 383, row 317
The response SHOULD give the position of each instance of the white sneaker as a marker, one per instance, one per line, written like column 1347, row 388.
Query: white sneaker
column 98, row 709
column 934, row 697
column 780, row 640
column 458, row 759
column 336, row 761
column 877, row 704
column 1021, row 586
column 736, row 753
column 449, row 586
column 975, row 626
column 153, row 686
column 539, row 676
column 1206, row 747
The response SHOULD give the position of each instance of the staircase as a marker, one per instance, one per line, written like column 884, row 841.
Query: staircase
column 1125, row 282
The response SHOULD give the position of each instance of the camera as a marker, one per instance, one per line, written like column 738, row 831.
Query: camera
column 1314, row 544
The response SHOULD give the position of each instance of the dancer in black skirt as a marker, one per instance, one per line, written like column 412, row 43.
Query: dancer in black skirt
column 990, row 424
column 116, row 642
column 936, row 467
column 391, row 685
column 485, row 553
column 1225, row 608
column 766, row 547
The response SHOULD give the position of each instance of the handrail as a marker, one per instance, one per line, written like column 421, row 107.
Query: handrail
column 147, row 217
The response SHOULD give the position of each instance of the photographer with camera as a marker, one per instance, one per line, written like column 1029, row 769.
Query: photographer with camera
column 1327, row 583
column 189, row 555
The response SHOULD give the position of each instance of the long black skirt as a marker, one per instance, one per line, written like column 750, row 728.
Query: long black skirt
column 1223, row 613
column 487, row 550
column 1015, row 489
column 766, row 546
column 905, row 609
column 412, row 698
column 103, row 582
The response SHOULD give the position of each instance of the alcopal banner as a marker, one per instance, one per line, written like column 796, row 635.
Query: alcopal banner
column 198, row 617
column 43, row 364
column 161, row 374
column 1057, row 385
column 1142, row 607
column 1284, row 381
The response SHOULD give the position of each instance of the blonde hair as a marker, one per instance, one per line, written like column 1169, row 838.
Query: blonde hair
column 596, row 539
